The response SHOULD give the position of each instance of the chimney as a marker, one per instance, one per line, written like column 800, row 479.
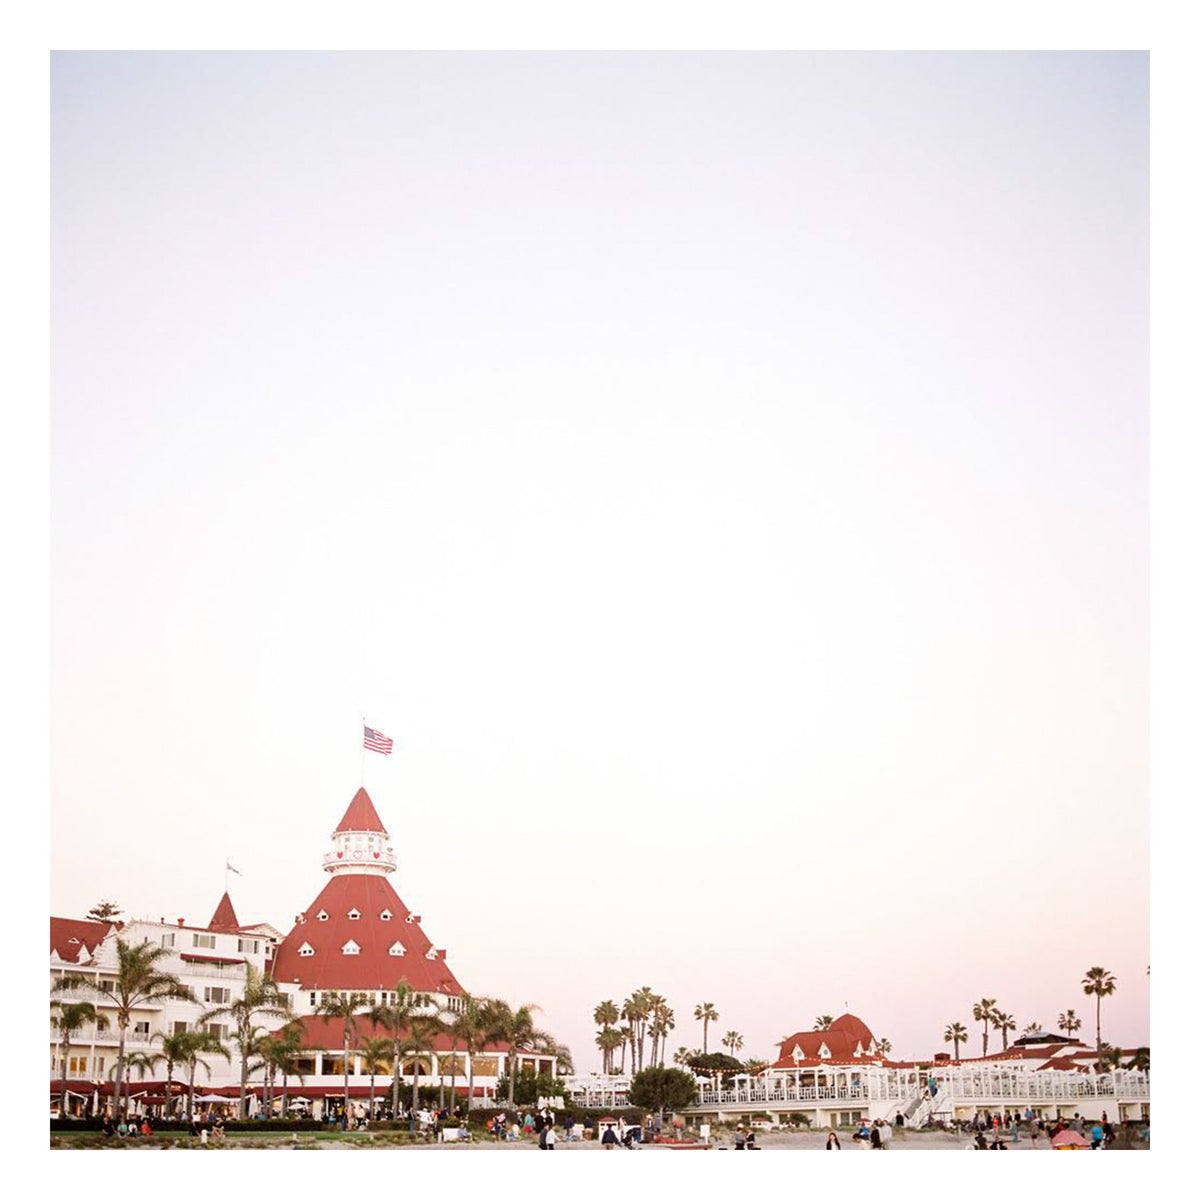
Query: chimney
column 180, row 919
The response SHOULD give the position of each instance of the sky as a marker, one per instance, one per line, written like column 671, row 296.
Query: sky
column 725, row 475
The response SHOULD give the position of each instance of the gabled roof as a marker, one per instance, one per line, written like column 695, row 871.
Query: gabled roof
column 224, row 920
column 361, row 816
column 76, row 941
column 374, row 968
column 846, row 1035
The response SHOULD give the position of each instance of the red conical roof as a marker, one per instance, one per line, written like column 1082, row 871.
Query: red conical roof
column 361, row 816
column 385, row 948
column 224, row 919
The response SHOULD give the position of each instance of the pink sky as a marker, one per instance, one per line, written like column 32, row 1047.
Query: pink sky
column 725, row 474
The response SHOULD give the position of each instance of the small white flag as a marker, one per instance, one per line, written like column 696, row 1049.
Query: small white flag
column 230, row 867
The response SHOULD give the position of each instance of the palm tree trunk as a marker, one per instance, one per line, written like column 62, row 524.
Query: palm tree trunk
column 395, row 1077
column 167, row 1102
column 64, row 1048
column 470, row 1078
column 371, row 1112
column 245, row 1042
column 191, row 1104
column 705, row 1035
column 346, row 1075
column 283, row 1108
column 453, row 1067
column 1097, row 1022
column 416, row 1070
column 120, row 1074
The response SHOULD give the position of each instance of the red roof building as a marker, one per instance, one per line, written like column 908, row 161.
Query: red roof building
column 358, row 935
column 846, row 1040
column 76, row 941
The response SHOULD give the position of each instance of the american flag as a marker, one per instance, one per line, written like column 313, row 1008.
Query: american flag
column 374, row 740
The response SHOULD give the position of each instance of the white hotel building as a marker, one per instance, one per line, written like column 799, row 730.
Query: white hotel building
column 356, row 936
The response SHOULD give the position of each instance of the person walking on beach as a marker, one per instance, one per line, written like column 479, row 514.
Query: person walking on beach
column 876, row 1137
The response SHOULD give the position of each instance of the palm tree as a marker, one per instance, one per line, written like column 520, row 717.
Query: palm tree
column 1108, row 1058
column 884, row 1047
column 636, row 1010
column 706, row 1012
column 956, row 1033
column 139, row 982
column 753, row 1066
column 281, row 1052
column 514, row 1026
column 376, row 1054
column 1140, row 1060
column 734, row 1041
column 1068, row 1022
column 69, row 1020
column 174, row 1054
column 824, row 1022
column 606, row 1014
column 1003, row 1022
column 682, row 1056
column 334, row 1007
column 422, row 1030
column 661, row 1024
column 982, row 1012
column 1032, row 1029
column 471, row 1025
column 395, row 1016
column 609, row 1040
column 626, row 1032
column 1099, row 982
column 200, row 1042
column 261, row 997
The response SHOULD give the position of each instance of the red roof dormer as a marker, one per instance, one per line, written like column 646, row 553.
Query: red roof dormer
column 361, row 816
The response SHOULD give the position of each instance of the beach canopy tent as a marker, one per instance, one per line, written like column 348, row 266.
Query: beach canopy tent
column 1069, row 1140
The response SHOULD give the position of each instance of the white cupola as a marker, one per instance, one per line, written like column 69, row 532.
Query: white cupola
column 361, row 845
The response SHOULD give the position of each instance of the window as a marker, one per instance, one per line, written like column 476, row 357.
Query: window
column 106, row 985
column 204, row 941
column 100, row 1064
column 141, row 1028
column 168, row 940
column 179, row 1027
column 306, row 951
column 322, row 915
column 397, row 950
column 386, row 915
column 431, row 953
column 355, row 914
column 410, row 919
column 247, row 945
column 351, row 947
column 312, row 999
column 220, row 1031
column 216, row 995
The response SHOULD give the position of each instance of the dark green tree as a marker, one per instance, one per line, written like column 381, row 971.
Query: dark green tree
column 662, row 1088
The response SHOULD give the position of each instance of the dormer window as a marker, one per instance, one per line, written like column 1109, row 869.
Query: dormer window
column 386, row 915
column 397, row 950
column 431, row 953
column 824, row 1051
column 306, row 951
column 351, row 947
column 322, row 915
column 72, row 941
column 355, row 914
column 411, row 919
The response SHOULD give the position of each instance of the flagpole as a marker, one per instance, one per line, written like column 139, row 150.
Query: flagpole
column 362, row 754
